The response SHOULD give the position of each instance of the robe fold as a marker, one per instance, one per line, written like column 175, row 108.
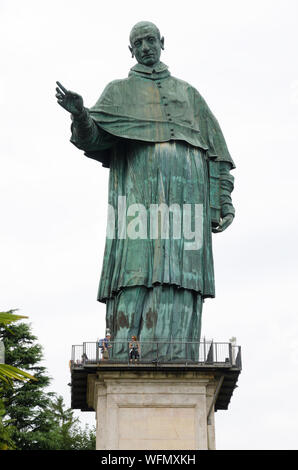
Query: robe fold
column 157, row 135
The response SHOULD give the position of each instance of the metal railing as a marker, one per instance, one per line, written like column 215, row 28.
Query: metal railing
column 158, row 352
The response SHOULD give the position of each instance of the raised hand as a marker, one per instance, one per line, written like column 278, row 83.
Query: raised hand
column 72, row 102
column 224, row 223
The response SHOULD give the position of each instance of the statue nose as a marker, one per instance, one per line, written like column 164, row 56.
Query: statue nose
column 145, row 47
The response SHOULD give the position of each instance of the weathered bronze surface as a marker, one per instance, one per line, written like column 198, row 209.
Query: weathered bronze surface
column 166, row 152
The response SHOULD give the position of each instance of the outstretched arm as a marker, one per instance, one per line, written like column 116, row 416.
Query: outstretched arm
column 86, row 135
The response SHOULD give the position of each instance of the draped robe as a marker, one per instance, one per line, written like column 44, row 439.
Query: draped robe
column 157, row 136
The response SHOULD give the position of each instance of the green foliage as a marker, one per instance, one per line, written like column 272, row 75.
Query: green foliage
column 66, row 433
column 9, row 373
column 26, row 403
column 6, row 318
column 6, row 441
column 33, row 419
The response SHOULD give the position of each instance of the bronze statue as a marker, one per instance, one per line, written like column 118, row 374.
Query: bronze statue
column 170, row 183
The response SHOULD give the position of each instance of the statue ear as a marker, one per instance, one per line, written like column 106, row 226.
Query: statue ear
column 130, row 48
column 162, row 42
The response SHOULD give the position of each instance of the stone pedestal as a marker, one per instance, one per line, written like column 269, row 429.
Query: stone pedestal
column 156, row 409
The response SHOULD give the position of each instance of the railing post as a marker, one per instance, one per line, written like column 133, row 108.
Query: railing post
column 84, row 353
column 238, row 358
column 97, row 352
column 210, row 358
column 230, row 354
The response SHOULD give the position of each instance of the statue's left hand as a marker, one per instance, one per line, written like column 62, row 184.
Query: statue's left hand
column 224, row 223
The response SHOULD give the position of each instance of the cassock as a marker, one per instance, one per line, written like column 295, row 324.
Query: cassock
column 165, row 152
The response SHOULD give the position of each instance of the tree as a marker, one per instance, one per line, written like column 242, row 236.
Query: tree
column 6, row 431
column 66, row 433
column 36, row 419
column 27, row 403
column 9, row 373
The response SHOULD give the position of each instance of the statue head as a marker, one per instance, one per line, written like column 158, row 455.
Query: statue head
column 146, row 43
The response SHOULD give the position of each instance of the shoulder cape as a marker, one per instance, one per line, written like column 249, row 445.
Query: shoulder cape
column 158, row 110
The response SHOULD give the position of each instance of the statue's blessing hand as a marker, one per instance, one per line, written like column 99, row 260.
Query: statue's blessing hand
column 72, row 102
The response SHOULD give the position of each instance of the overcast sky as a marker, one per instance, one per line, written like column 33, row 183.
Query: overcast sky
column 242, row 57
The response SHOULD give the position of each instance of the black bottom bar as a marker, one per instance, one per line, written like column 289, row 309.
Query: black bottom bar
column 135, row 458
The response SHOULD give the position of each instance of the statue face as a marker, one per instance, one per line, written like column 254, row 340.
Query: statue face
column 146, row 45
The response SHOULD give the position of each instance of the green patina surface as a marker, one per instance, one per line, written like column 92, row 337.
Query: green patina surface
column 163, row 146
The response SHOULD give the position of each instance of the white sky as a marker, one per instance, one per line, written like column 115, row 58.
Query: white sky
column 242, row 57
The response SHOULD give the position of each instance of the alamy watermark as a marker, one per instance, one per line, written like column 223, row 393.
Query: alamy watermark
column 159, row 221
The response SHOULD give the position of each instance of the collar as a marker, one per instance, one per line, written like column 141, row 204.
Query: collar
column 157, row 72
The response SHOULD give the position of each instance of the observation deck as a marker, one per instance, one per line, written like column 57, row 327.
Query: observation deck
column 223, row 360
